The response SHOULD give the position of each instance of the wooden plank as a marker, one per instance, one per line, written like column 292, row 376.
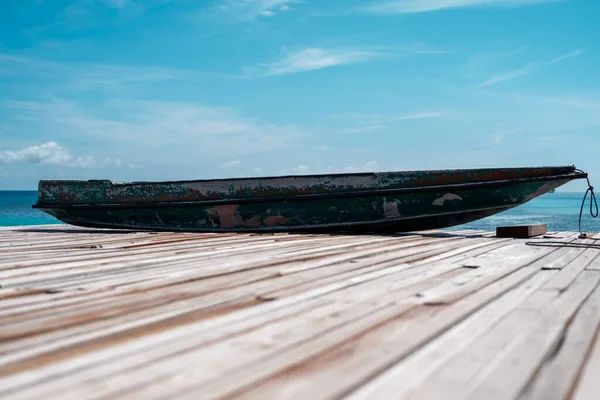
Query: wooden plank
column 337, row 264
column 363, row 314
column 457, row 253
column 509, row 371
column 487, row 268
column 572, row 269
column 595, row 264
column 397, row 346
column 69, row 330
column 561, row 369
column 471, row 370
column 335, row 373
column 408, row 259
column 589, row 385
column 165, row 259
column 420, row 367
column 238, row 261
column 207, row 248
column 195, row 374
column 521, row 231
column 153, row 307
column 235, row 280
column 347, row 316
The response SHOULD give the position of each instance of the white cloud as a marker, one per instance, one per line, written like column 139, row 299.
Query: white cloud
column 528, row 69
column 180, row 132
column 48, row 153
column 369, row 166
column 315, row 58
column 419, row 6
column 52, row 153
column 301, row 170
column 232, row 164
column 418, row 115
column 250, row 9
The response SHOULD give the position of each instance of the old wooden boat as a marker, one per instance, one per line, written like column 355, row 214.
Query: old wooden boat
column 364, row 202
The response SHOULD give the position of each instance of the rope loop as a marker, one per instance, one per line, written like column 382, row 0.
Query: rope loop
column 593, row 203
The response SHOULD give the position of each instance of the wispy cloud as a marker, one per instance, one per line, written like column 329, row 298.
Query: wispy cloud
column 528, row 69
column 419, row 115
column 369, row 166
column 231, row 164
column 94, row 75
column 174, row 128
column 52, row 153
column 362, row 123
column 315, row 58
column 251, row 9
column 363, row 128
column 420, row 6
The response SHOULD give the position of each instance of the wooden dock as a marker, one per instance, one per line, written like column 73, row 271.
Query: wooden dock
column 99, row 314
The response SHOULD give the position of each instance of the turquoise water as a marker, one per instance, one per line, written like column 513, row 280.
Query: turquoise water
column 15, row 209
column 559, row 210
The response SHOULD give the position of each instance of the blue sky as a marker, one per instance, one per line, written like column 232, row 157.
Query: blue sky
column 184, row 89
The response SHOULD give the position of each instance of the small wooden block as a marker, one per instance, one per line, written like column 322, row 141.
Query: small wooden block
column 521, row 231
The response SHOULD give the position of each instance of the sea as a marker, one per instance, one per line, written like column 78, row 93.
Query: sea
column 559, row 210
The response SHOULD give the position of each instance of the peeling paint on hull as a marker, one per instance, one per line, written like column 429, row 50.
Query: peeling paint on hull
column 447, row 197
column 391, row 206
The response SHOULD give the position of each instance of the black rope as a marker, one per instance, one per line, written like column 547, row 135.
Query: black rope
column 593, row 202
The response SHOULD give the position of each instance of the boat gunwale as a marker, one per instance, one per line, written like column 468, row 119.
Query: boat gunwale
column 568, row 168
column 316, row 196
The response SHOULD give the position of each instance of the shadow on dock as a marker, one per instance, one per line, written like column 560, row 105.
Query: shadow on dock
column 82, row 231
column 427, row 234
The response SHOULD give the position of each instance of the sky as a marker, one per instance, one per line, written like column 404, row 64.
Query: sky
column 132, row 90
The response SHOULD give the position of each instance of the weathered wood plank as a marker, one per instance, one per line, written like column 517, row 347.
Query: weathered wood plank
column 399, row 339
column 360, row 360
column 394, row 255
column 342, row 314
column 420, row 367
column 568, row 274
column 278, row 316
column 233, row 260
column 561, row 369
column 241, row 295
column 507, row 374
column 470, row 371
column 588, row 386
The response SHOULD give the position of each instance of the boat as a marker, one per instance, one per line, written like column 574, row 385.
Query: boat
column 397, row 201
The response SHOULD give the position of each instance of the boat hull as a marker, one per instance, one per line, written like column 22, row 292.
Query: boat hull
column 391, row 209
